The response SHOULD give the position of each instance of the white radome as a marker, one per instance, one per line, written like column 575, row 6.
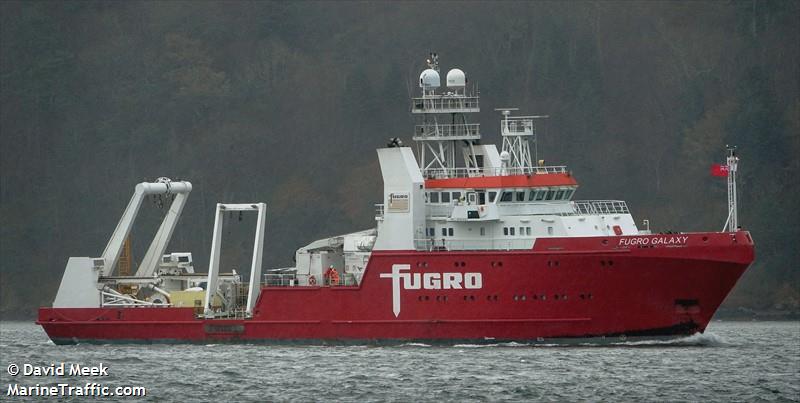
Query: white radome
column 456, row 78
column 429, row 79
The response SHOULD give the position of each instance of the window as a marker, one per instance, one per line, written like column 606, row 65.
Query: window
column 505, row 230
column 444, row 231
column 456, row 196
column 521, row 231
column 479, row 161
column 481, row 197
column 445, row 197
column 568, row 194
column 540, row 195
column 511, row 231
column 450, row 231
column 431, row 232
column 528, row 231
column 549, row 230
column 434, row 197
column 531, row 195
column 550, row 194
column 492, row 196
column 521, row 196
column 506, row 197
column 483, row 231
column 559, row 195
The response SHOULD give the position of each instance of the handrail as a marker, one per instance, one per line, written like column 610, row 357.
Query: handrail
column 444, row 244
column 444, row 104
column 599, row 207
column 442, row 173
column 447, row 130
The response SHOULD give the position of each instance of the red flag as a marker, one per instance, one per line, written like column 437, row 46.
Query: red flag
column 719, row 170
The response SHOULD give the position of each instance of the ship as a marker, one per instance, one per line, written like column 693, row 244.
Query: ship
column 471, row 243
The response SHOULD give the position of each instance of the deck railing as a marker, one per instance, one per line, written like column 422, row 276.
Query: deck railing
column 598, row 207
column 444, row 244
column 444, row 103
column 457, row 131
column 441, row 173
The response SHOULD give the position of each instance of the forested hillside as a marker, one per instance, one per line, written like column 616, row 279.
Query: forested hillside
column 286, row 102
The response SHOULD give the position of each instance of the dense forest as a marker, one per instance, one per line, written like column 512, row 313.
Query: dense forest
column 286, row 102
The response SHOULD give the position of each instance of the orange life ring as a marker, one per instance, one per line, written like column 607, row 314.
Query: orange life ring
column 312, row 280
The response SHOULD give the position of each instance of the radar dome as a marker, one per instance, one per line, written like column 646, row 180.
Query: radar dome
column 456, row 78
column 429, row 79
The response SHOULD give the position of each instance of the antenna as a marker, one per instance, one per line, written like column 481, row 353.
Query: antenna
column 433, row 61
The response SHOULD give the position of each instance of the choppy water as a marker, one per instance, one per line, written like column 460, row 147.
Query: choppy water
column 733, row 361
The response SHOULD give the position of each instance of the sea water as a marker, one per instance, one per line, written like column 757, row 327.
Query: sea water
column 732, row 361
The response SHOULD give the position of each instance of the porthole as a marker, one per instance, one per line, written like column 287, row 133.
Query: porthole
column 523, row 298
column 556, row 297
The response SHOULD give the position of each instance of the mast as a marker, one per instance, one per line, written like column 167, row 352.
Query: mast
column 443, row 128
column 516, row 132
column 732, row 223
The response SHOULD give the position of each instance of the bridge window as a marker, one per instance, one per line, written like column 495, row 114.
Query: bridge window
column 445, row 197
column 492, row 197
column 568, row 194
column 521, row 231
column 434, row 197
column 481, row 197
column 531, row 195
column 528, row 231
column 450, row 231
column 456, row 196
column 511, row 231
column 444, row 231
column 559, row 194
column 540, row 195
column 506, row 196
column 550, row 195
column 521, row 196
column 505, row 230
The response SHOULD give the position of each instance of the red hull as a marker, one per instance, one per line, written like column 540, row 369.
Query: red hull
column 592, row 287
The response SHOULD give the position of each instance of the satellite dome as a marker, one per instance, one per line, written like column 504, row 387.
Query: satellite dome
column 456, row 78
column 429, row 79
column 505, row 156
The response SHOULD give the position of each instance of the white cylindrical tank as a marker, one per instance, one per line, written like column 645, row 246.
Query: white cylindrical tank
column 429, row 79
column 456, row 78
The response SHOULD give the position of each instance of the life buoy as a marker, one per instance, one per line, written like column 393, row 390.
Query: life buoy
column 334, row 278
column 312, row 280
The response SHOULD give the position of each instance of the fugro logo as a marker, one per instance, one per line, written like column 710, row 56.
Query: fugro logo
column 428, row 281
